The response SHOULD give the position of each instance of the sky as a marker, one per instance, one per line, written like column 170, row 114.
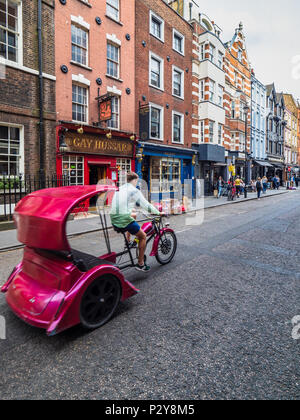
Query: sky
column 272, row 30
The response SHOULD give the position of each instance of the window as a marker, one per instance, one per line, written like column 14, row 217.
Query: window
column 212, row 86
column 202, row 131
column 156, row 71
column 156, row 122
column 242, row 143
column 165, row 175
column 211, row 131
column 113, row 9
column 243, row 84
column 79, row 103
column 123, row 166
column 10, row 150
column 240, row 54
column 178, row 129
column 212, row 51
column 156, row 26
column 113, row 53
column 114, row 122
column 220, row 60
column 202, row 90
column 178, row 77
column 202, row 52
column 220, row 95
column 178, row 42
column 233, row 109
column 220, row 132
column 73, row 168
column 9, row 30
column 79, row 45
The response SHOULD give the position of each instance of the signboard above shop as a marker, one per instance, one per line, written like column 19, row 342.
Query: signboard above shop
column 99, row 145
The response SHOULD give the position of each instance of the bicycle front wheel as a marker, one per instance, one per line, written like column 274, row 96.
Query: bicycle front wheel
column 167, row 247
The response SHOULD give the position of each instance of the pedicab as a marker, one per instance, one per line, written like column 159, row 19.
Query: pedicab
column 56, row 287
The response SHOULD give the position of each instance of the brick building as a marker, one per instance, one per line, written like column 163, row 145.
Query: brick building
column 237, row 103
column 290, row 136
column 95, row 46
column 275, row 128
column 163, row 97
column 24, row 134
column 258, row 128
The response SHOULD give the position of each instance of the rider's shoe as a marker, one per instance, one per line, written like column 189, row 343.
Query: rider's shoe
column 144, row 268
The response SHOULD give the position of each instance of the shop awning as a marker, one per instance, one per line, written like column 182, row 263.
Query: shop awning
column 263, row 163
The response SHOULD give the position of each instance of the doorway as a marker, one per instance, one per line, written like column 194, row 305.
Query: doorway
column 97, row 173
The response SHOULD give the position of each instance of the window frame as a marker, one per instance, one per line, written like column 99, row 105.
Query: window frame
column 161, row 22
column 108, row 5
column 181, row 128
column 161, row 122
column 20, row 156
column 84, row 105
column 118, row 99
column 181, row 72
column 179, row 35
column 18, row 33
column 161, row 73
column 108, row 59
column 85, row 30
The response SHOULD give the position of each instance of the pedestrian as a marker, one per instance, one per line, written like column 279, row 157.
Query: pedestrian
column 265, row 184
column 238, row 186
column 277, row 182
column 253, row 185
column 220, row 184
column 259, row 188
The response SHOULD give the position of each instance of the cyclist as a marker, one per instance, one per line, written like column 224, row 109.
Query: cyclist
column 123, row 214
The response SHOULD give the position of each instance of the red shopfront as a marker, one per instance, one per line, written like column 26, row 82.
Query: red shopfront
column 92, row 155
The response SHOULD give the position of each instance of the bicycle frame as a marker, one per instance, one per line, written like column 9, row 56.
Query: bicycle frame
column 154, row 230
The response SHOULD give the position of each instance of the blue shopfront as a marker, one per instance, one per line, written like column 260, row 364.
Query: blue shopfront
column 166, row 169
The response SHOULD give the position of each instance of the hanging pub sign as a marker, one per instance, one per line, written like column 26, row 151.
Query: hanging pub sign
column 105, row 110
column 104, row 106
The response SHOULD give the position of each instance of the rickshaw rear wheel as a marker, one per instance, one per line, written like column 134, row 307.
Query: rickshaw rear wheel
column 99, row 302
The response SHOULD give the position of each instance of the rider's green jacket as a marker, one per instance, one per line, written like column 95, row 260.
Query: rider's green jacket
column 125, row 200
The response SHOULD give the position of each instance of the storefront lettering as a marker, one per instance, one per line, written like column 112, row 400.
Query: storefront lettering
column 94, row 145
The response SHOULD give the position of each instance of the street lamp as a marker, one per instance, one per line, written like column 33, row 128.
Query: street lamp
column 246, row 109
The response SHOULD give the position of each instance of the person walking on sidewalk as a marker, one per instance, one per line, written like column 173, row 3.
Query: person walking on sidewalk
column 220, row 184
column 265, row 184
column 259, row 188
column 238, row 186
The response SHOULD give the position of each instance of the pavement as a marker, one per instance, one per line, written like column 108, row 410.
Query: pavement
column 8, row 238
column 219, row 322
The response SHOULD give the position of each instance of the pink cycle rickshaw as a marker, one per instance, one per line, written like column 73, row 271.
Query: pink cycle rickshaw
column 56, row 287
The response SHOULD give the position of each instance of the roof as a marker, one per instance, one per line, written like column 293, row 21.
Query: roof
column 42, row 215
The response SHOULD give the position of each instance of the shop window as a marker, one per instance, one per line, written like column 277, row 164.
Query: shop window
column 123, row 166
column 165, row 175
column 73, row 169
column 10, row 152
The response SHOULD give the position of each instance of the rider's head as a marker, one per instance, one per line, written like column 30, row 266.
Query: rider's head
column 132, row 178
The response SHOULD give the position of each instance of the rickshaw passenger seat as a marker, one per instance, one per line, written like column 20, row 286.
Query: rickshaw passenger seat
column 86, row 261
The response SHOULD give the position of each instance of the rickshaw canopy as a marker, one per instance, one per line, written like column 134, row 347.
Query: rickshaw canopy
column 41, row 216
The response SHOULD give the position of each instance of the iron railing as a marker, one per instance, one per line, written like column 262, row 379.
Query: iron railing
column 14, row 188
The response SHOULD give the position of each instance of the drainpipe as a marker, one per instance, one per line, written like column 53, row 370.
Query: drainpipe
column 41, row 97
